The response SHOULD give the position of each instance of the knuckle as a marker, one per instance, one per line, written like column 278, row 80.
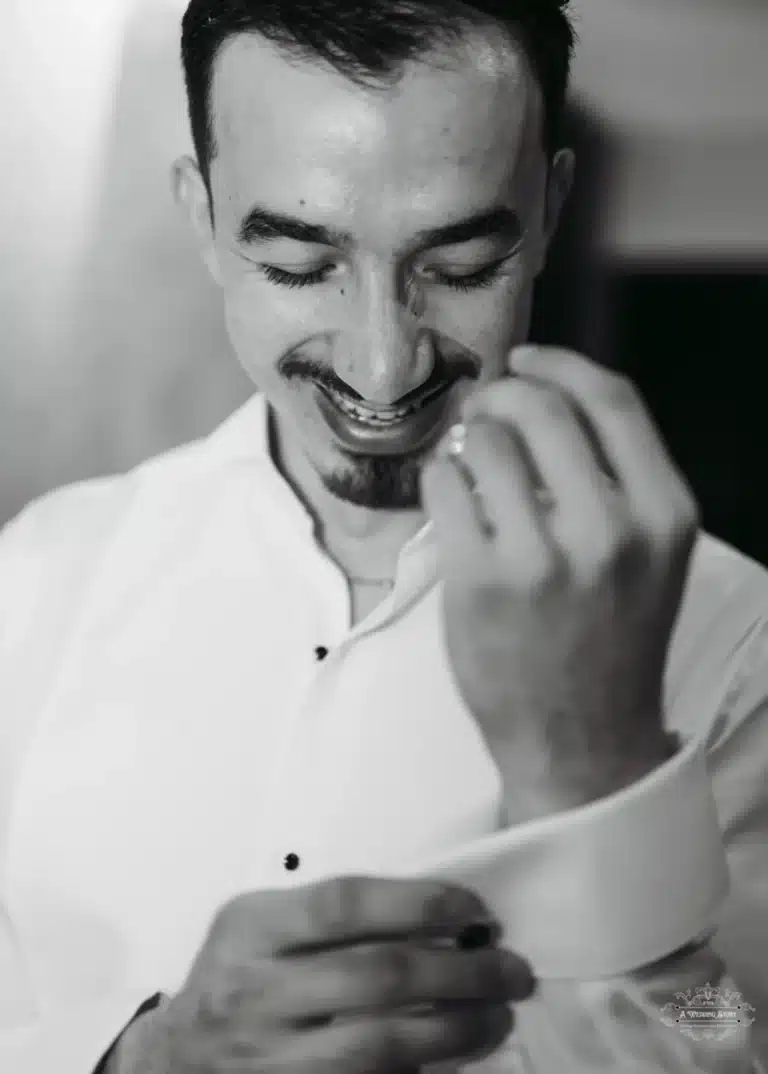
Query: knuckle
column 222, row 937
column 676, row 524
column 242, row 1046
column 272, row 991
column 223, row 997
column 337, row 981
column 619, row 391
column 544, row 571
column 553, row 406
column 235, row 911
column 686, row 518
column 626, row 548
column 479, row 430
column 393, row 974
column 335, row 903
column 384, row 1046
column 596, row 565
column 449, row 905
column 610, row 552
column 534, row 401
column 224, row 917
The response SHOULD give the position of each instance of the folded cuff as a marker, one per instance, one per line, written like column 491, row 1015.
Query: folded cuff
column 607, row 888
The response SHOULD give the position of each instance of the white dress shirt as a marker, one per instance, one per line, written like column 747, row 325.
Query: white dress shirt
column 169, row 733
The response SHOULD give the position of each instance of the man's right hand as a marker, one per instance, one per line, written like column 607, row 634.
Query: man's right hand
column 348, row 976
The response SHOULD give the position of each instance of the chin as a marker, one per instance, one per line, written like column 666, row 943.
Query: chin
column 378, row 482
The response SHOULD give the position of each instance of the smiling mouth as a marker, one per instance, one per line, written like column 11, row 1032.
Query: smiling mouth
column 383, row 416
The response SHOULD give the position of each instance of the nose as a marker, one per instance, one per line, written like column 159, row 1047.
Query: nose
column 386, row 351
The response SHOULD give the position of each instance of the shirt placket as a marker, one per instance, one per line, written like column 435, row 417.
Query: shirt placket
column 297, row 797
column 302, row 778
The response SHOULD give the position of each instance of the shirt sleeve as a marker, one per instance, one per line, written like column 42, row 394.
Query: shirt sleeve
column 645, row 1021
column 647, row 910
column 42, row 590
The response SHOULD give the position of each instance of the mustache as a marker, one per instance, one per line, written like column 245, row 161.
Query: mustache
column 298, row 367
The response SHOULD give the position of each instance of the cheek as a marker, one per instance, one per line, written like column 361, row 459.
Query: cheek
column 487, row 322
column 264, row 321
column 257, row 322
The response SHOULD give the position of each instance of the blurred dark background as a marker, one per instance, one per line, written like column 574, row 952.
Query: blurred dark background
column 690, row 332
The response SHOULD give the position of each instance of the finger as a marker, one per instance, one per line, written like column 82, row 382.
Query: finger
column 347, row 910
column 560, row 451
column 507, row 480
column 620, row 420
column 451, row 504
column 400, row 1042
column 371, row 979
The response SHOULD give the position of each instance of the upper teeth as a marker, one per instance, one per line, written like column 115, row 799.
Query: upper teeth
column 383, row 416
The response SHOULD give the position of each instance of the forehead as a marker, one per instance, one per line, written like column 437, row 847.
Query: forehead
column 296, row 135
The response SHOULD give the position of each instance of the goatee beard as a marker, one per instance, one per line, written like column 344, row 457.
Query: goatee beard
column 378, row 482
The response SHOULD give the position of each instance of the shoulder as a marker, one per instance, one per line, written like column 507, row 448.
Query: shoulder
column 78, row 519
column 86, row 510
column 50, row 549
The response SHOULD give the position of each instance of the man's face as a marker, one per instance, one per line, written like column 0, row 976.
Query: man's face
column 384, row 305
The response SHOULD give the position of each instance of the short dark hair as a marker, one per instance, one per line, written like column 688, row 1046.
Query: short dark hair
column 369, row 41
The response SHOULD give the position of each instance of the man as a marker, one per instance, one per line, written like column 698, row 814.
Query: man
column 359, row 737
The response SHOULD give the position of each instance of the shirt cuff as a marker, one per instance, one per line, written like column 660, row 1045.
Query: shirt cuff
column 604, row 889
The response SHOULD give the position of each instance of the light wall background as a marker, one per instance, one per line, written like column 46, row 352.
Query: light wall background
column 111, row 339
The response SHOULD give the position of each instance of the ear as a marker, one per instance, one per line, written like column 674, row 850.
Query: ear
column 559, row 184
column 191, row 196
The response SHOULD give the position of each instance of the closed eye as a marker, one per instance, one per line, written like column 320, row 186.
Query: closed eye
column 296, row 279
column 484, row 277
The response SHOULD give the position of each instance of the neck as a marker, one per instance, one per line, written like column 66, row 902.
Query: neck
column 364, row 542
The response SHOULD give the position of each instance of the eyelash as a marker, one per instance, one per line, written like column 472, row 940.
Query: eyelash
column 486, row 277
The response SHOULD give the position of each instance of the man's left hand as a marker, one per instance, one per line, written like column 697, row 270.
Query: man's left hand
column 565, row 533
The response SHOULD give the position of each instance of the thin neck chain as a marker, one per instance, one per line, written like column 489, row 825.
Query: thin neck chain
column 385, row 583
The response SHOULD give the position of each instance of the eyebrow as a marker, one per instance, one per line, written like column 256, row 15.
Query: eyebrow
column 262, row 225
